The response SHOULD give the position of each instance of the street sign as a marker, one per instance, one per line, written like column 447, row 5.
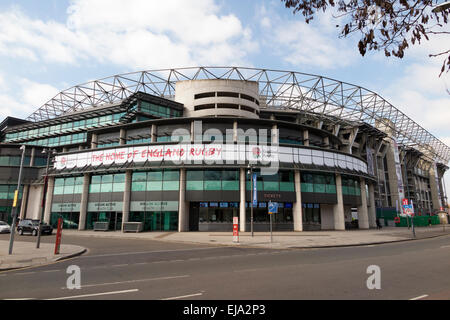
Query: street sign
column 273, row 207
column 408, row 210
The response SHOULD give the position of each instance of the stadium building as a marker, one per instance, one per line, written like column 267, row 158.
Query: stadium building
column 175, row 150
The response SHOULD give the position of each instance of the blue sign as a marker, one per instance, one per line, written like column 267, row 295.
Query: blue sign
column 273, row 207
column 255, row 191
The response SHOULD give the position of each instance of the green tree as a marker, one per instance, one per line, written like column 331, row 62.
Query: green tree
column 391, row 26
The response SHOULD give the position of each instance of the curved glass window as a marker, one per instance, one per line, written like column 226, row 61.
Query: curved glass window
column 317, row 182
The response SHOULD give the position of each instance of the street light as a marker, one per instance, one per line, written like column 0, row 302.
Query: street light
column 441, row 7
column 49, row 152
column 16, row 196
column 250, row 172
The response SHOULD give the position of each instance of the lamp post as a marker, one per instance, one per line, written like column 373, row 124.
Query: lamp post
column 41, row 217
column 16, row 196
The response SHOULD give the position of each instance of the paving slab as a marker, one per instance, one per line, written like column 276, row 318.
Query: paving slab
column 26, row 255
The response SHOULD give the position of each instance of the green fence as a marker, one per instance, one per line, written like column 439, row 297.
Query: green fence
column 419, row 221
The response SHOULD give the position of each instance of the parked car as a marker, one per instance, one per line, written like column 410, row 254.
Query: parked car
column 4, row 227
column 31, row 226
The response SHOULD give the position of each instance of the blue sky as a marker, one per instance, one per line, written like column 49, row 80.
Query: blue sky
column 47, row 46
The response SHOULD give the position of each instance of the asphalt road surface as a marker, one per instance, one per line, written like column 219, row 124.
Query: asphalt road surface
column 144, row 269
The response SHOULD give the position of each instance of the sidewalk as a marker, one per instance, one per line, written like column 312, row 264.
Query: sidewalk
column 25, row 254
column 281, row 240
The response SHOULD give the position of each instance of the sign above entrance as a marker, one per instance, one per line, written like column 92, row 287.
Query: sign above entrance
column 185, row 154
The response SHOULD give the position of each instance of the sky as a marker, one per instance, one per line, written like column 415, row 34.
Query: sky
column 47, row 46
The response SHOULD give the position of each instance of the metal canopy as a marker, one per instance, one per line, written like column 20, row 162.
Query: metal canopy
column 327, row 98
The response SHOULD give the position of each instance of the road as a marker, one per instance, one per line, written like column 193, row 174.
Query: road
column 145, row 269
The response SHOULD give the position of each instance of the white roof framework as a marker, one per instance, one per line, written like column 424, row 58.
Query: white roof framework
column 327, row 98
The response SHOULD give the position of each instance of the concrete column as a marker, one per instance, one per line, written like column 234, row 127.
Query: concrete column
column 49, row 199
column 274, row 135
column 33, row 155
column 242, row 209
column 363, row 215
column 235, row 127
column 372, row 207
column 338, row 209
column 393, row 179
column 434, row 189
column 183, row 212
column 306, row 138
column 297, row 208
column 126, row 197
column 326, row 141
column 84, row 202
column 94, row 141
column 23, row 205
column 122, row 137
column 153, row 133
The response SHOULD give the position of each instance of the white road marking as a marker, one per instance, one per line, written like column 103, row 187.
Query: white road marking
column 52, row 271
column 144, row 252
column 95, row 294
column 23, row 273
column 445, row 247
column 18, row 299
column 419, row 297
column 182, row 297
column 130, row 281
column 119, row 265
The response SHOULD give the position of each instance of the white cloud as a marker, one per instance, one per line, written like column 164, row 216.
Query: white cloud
column 135, row 33
column 299, row 44
column 20, row 97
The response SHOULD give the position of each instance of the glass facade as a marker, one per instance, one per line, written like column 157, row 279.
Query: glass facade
column 70, row 219
column 156, row 215
column 59, row 129
column 7, row 192
column 351, row 186
column 159, row 111
column 156, row 221
column 311, row 216
column 140, row 140
column 72, row 185
column 212, row 180
column 107, row 183
column 156, row 180
column 282, row 181
column 318, row 182
column 114, row 219
column 260, row 213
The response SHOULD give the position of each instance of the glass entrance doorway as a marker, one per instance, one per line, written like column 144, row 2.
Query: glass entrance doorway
column 212, row 216
column 113, row 218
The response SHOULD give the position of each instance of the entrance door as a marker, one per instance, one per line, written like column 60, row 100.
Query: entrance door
column 194, row 211
column 115, row 220
column 4, row 216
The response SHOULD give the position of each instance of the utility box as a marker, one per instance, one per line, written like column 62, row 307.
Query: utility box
column 101, row 226
column 133, row 227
